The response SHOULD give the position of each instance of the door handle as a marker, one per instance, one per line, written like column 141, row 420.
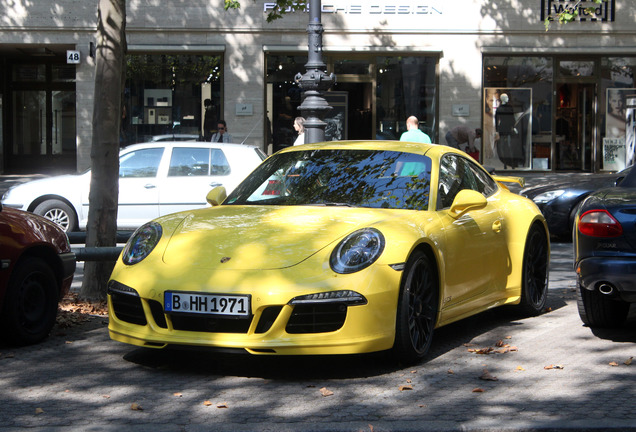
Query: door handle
column 150, row 186
column 497, row 226
column 215, row 184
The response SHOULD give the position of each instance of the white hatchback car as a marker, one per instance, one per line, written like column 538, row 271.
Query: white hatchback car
column 154, row 179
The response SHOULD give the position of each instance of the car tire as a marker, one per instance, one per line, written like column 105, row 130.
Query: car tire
column 534, row 283
column 417, row 308
column 59, row 212
column 599, row 310
column 30, row 303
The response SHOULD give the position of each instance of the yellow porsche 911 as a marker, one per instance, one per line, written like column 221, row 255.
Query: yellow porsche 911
column 333, row 248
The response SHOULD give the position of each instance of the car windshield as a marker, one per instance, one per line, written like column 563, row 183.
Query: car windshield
column 355, row 178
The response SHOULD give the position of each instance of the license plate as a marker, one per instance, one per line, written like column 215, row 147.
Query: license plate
column 211, row 304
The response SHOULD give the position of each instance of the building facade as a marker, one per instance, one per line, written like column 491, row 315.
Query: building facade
column 570, row 91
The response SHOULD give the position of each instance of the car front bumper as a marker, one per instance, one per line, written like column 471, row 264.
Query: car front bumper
column 141, row 320
column 618, row 272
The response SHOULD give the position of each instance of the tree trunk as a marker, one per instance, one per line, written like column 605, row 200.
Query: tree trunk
column 104, row 191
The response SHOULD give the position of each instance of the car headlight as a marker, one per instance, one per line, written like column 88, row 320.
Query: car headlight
column 548, row 196
column 142, row 242
column 357, row 251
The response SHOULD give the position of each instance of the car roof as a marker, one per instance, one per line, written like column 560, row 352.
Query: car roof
column 434, row 150
column 189, row 144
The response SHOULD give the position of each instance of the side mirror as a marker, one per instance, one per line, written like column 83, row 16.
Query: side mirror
column 465, row 201
column 216, row 196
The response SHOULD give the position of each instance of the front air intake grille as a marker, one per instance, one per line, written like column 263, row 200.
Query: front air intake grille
column 316, row 318
column 267, row 319
column 157, row 313
column 210, row 324
column 128, row 308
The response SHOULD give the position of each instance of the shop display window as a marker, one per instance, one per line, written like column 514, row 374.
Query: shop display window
column 177, row 95
column 519, row 136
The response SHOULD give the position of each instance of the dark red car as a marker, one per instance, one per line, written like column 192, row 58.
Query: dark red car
column 36, row 271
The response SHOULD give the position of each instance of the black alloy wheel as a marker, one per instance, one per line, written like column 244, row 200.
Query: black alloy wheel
column 31, row 303
column 534, row 285
column 417, row 308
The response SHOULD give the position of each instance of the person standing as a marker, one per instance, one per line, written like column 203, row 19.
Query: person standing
column 208, row 120
column 299, row 126
column 413, row 132
column 221, row 134
column 463, row 134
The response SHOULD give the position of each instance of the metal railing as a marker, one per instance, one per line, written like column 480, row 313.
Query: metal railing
column 97, row 253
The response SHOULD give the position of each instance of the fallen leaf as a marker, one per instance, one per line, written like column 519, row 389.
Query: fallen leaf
column 482, row 350
column 520, row 368
column 39, row 411
column 68, row 342
column 177, row 394
column 486, row 376
column 478, row 390
column 613, row 363
column 548, row 309
column 413, row 371
column 422, row 406
column 450, row 372
column 629, row 361
column 468, row 345
column 499, row 343
column 409, row 381
column 207, row 403
column 325, row 392
column 405, row 387
column 106, row 396
column 370, row 428
column 136, row 407
column 222, row 405
column 553, row 367
column 508, row 337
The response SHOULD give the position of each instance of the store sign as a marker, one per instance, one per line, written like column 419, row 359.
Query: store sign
column 601, row 12
column 372, row 8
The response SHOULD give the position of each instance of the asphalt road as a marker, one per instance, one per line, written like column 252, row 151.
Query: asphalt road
column 555, row 375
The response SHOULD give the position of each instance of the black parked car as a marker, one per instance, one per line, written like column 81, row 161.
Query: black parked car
column 605, row 254
column 559, row 201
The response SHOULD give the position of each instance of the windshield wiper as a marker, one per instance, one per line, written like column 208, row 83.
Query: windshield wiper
column 332, row 204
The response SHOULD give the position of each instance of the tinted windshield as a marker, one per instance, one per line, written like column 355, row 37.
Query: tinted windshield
column 357, row 178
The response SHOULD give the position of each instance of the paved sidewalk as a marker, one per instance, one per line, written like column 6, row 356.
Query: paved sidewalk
column 555, row 375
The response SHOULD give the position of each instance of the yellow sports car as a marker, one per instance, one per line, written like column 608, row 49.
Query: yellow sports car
column 333, row 248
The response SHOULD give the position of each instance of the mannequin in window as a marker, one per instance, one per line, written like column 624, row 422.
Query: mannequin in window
column 505, row 128
column 221, row 134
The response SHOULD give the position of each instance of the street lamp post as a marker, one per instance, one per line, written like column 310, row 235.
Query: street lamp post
column 315, row 81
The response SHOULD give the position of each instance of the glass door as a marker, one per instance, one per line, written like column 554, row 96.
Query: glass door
column 575, row 126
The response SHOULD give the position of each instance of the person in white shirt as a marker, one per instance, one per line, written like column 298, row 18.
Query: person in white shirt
column 299, row 126
column 221, row 134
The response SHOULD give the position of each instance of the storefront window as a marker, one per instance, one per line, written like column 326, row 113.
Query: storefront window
column 174, row 95
column 517, row 116
column 618, row 94
column 406, row 86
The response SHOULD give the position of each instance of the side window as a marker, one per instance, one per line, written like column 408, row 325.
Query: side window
column 487, row 186
column 219, row 165
column 455, row 175
column 189, row 161
column 140, row 163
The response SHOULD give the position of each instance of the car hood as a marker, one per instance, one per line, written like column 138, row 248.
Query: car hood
column 594, row 183
column 261, row 237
